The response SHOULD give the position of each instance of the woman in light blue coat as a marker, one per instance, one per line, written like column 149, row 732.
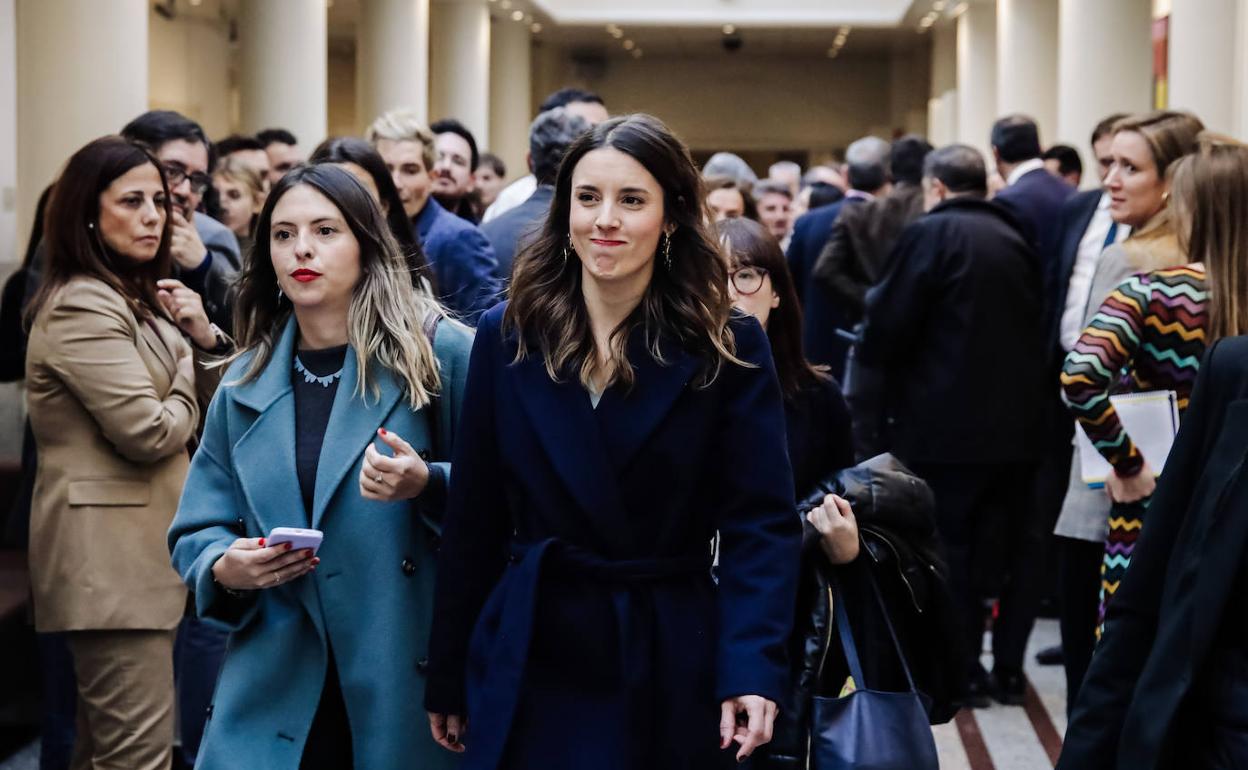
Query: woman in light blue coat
column 336, row 415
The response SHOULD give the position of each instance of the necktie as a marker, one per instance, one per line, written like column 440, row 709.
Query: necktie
column 1110, row 237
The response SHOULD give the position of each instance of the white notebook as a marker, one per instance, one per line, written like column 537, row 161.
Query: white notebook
column 1150, row 418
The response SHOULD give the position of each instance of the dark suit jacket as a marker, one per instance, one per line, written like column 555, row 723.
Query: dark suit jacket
column 1168, row 609
column 954, row 329
column 1073, row 220
column 862, row 239
column 511, row 231
column 463, row 262
column 607, row 514
column 822, row 312
column 1036, row 201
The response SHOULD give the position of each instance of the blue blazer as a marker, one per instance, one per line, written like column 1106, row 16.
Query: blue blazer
column 1036, row 201
column 464, row 266
column 371, row 594
column 512, row 230
column 577, row 547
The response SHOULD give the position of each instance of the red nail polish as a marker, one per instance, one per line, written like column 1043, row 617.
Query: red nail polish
column 261, row 542
column 315, row 561
column 288, row 545
column 382, row 431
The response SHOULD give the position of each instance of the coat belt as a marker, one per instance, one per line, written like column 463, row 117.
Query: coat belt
column 495, row 683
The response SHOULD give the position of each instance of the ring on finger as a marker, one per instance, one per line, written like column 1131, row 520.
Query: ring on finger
column 378, row 478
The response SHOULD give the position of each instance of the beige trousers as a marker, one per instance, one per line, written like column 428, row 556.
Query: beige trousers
column 125, row 699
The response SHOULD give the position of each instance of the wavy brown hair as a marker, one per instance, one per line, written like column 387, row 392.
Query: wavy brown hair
column 385, row 323
column 687, row 304
column 71, row 235
column 746, row 243
column 1210, row 194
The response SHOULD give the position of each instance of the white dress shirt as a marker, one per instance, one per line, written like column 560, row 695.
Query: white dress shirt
column 1090, row 248
column 511, row 196
column 1026, row 167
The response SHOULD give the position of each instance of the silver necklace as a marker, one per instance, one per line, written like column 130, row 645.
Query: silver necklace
column 309, row 377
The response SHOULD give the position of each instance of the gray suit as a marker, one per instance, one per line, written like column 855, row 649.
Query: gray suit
column 517, row 227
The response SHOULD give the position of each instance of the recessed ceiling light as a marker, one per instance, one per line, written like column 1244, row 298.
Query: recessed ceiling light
column 536, row 28
column 636, row 53
column 845, row 30
column 730, row 29
column 618, row 33
column 629, row 45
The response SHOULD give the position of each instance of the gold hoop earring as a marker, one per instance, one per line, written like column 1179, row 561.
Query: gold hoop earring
column 667, row 251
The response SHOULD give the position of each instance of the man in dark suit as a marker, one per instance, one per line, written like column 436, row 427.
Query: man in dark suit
column 549, row 137
column 953, row 331
column 864, row 236
column 1085, row 230
column 826, row 328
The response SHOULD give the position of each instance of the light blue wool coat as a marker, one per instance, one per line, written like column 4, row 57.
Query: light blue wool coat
column 371, row 595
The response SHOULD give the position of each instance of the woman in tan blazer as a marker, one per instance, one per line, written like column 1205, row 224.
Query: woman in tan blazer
column 112, row 401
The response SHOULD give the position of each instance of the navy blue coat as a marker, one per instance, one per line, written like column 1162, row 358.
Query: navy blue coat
column 1036, row 201
column 1075, row 216
column 463, row 262
column 576, row 621
column 512, row 230
column 822, row 311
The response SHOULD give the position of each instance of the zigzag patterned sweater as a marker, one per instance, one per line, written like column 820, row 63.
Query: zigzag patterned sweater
column 1148, row 335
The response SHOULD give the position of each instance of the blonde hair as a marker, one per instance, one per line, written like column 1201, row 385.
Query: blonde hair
column 1210, row 193
column 403, row 125
column 234, row 169
column 387, row 316
column 1170, row 135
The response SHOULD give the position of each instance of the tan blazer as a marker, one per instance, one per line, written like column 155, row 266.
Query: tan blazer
column 111, row 417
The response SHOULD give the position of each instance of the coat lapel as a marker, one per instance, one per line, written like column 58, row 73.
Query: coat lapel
column 629, row 417
column 563, row 419
column 157, row 341
column 353, row 424
column 264, row 457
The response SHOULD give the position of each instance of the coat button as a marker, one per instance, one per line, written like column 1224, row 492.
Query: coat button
column 409, row 567
column 422, row 665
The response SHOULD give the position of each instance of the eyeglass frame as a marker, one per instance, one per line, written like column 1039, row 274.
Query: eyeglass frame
column 175, row 172
column 732, row 278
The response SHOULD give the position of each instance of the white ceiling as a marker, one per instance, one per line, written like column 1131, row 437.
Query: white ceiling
column 715, row 12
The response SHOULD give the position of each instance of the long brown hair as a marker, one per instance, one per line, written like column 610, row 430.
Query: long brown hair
column 747, row 243
column 387, row 313
column 1210, row 194
column 1170, row 135
column 688, row 303
column 71, row 236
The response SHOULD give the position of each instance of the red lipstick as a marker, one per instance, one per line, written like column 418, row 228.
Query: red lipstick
column 303, row 275
column 605, row 242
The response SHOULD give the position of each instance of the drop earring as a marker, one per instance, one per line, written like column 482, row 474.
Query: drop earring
column 667, row 252
column 566, row 248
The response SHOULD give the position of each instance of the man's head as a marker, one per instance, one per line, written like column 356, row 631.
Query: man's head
column 1015, row 139
column 455, row 159
column 1063, row 161
column 586, row 104
column 182, row 148
column 549, row 136
column 726, row 164
column 905, row 159
column 866, row 162
column 283, row 150
column 1103, row 143
column 954, row 171
column 406, row 145
column 774, row 199
column 247, row 149
column 489, row 177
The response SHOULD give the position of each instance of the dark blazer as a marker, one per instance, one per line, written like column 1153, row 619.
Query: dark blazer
column 512, row 230
column 822, row 314
column 1178, row 591
column 954, row 330
column 464, row 267
column 1073, row 220
column 1036, row 201
column 603, row 635
column 863, row 237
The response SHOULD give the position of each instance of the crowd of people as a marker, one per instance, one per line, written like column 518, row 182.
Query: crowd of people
column 626, row 462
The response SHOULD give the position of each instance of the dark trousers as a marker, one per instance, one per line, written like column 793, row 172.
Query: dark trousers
column 1079, row 579
column 60, row 702
column 198, row 654
column 985, row 515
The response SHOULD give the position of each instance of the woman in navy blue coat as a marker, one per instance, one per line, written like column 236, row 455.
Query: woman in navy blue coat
column 615, row 418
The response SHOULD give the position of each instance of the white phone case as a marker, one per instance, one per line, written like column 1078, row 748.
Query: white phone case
column 298, row 538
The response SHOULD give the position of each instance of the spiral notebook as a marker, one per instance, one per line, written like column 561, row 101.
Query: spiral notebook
column 1150, row 418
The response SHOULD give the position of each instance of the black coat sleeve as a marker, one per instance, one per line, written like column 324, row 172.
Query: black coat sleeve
column 1095, row 730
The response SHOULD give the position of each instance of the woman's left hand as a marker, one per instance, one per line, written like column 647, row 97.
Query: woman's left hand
column 759, row 715
column 836, row 523
column 186, row 308
column 400, row 477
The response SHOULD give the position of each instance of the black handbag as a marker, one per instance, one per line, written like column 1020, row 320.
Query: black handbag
column 869, row 729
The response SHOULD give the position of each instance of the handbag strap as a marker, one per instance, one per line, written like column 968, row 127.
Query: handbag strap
column 847, row 637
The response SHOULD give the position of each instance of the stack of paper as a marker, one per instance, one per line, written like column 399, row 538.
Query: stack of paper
column 1150, row 418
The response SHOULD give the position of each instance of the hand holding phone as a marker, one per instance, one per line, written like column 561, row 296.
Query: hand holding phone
column 299, row 539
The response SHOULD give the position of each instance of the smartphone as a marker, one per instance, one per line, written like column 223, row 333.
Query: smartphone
column 298, row 538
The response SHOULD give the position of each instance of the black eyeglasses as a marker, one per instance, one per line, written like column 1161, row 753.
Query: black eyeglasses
column 747, row 280
column 176, row 172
